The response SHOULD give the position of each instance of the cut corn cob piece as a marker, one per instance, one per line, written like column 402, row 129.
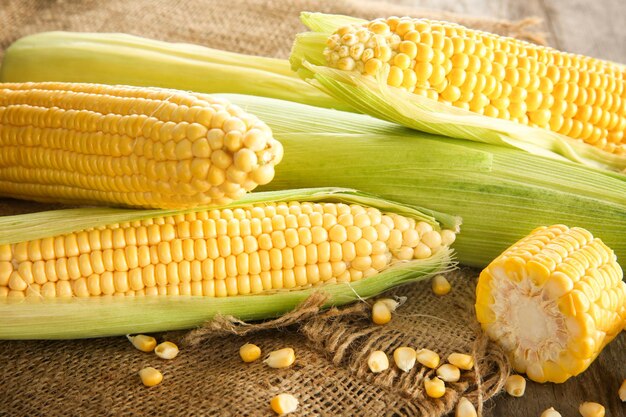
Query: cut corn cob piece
column 443, row 78
column 455, row 176
column 275, row 252
column 117, row 58
column 144, row 147
column 553, row 301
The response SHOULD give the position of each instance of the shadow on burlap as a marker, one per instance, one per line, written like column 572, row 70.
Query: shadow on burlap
column 330, row 376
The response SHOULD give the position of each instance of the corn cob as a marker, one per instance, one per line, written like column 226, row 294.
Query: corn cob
column 146, row 147
column 553, row 301
column 117, row 58
column 246, row 250
column 399, row 68
column 500, row 193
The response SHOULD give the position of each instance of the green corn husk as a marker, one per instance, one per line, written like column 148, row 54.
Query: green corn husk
column 501, row 193
column 34, row 318
column 115, row 58
column 372, row 95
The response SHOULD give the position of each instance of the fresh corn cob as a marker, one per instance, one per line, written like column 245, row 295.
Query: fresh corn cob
column 427, row 75
column 117, row 58
column 553, row 301
column 145, row 147
column 500, row 193
column 286, row 243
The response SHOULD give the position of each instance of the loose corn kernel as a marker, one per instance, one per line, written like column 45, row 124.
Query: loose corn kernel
column 448, row 373
column 461, row 361
column 378, row 361
column 550, row 412
column 435, row 388
column 515, row 385
column 591, row 409
column 404, row 357
column 383, row 309
column 142, row 342
column 440, row 285
column 150, row 376
column 166, row 350
column 428, row 358
column 622, row 391
column 284, row 404
column 465, row 409
column 281, row 358
column 578, row 294
column 249, row 352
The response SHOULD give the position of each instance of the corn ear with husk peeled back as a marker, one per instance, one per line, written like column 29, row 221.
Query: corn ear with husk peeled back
column 117, row 58
column 118, row 145
column 501, row 193
column 553, row 300
column 99, row 271
column 443, row 78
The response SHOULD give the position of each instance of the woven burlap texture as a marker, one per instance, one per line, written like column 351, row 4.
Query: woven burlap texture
column 330, row 377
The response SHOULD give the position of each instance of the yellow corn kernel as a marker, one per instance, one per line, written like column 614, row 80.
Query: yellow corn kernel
column 281, row 358
column 166, row 350
column 440, row 285
column 591, row 409
column 465, row 409
column 175, row 163
column 461, row 361
column 150, row 376
column 428, row 358
column 378, row 361
column 404, row 357
column 382, row 310
column 249, row 352
column 142, row 342
column 435, row 387
column 584, row 304
column 517, row 83
column 284, row 404
column 448, row 373
column 550, row 412
column 622, row 391
column 515, row 385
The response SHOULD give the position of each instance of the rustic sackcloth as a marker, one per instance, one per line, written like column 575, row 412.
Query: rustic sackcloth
column 98, row 377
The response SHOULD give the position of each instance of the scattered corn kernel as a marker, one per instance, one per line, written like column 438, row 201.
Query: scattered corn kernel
column 591, row 409
column 550, row 412
column 515, row 385
column 281, row 358
column 461, row 361
column 435, row 388
column 440, row 285
column 249, row 352
column 404, row 357
column 465, row 408
column 166, row 350
column 428, row 358
column 284, row 404
column 378, row 361
column 142, row 342
column 150, row 376
column 448, row 373
column 382, row 310
column 622, row 391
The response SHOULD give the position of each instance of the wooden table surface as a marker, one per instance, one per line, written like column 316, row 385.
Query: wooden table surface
column 596, row 28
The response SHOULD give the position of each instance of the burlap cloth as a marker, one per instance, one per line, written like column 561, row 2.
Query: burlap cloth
column 330, row 378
